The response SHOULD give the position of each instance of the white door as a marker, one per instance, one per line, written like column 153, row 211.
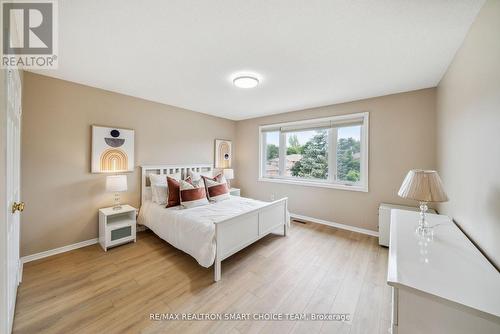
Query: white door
column 14, row 205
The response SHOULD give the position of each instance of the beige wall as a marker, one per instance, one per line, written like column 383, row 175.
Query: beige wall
column 61, row 195
column 468, row 128
column 402, row 136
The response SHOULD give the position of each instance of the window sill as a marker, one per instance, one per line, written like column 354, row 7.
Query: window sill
column 339, row 186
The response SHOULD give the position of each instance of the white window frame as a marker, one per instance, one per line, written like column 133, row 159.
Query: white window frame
column 362, row 185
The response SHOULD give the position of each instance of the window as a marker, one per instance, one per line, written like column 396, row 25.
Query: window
column 307, row 154
column 328, row 152
column 271, row 153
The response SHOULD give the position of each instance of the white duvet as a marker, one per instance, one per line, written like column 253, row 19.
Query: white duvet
column 193, row 230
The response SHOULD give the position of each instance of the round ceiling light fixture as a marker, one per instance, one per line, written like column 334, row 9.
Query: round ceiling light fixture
column 246, row 81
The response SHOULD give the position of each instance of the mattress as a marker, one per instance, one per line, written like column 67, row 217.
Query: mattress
column 193, row 230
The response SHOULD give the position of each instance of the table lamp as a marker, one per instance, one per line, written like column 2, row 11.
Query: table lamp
column 229, row 175
column 424, row 186
column 116, row 184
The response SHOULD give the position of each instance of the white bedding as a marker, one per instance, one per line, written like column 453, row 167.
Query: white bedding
column 193, row 230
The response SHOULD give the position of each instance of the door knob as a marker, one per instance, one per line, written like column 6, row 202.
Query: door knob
column 18, row 207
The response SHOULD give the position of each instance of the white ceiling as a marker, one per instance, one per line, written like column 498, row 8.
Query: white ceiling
column 309, row 53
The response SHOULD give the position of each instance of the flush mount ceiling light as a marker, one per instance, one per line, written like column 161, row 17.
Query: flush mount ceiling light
column 245, row 81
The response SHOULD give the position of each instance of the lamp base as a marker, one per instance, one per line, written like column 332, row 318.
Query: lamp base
column 423, row 228
column 117, row 205
column 424, row 231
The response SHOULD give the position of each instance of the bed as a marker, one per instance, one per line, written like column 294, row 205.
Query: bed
column 213, row 232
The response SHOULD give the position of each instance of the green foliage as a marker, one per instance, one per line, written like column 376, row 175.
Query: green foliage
column 347, row 165
column 272, row 151
column 293, row 141
column 314, row 162
column 294, row 146
column 353, row 175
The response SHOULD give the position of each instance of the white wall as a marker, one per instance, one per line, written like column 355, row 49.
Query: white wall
column 468, row 132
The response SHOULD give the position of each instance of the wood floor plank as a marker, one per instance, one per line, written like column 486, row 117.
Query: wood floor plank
column 347, row 298
column 315, row 269
column 325, row 294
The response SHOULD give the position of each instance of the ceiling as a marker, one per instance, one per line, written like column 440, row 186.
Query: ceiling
column 308, row 53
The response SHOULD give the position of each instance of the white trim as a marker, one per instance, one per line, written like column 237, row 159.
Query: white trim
column 4, row 324
column 318, row 184
column 332, row 158
column 59, row 250
column 365, row 153
column 333, row 224
column 336, row 118
column 12, row 107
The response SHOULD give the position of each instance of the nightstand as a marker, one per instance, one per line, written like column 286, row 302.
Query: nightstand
column 234, row 191
column 116, row 227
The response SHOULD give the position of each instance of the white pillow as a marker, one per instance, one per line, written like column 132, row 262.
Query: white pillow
column 196, row 177
column 159, row 188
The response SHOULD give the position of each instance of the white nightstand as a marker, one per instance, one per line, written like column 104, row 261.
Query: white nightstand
column 234, row 191
column 116, row 227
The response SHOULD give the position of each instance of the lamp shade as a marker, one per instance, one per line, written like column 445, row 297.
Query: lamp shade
column 423, row 186
column 228, row 173
column 116, row 183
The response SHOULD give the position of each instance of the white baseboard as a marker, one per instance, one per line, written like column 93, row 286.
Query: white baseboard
column 333, row 224
column 59, row 250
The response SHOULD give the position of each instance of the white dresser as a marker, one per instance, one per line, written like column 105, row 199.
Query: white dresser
column 443, row 285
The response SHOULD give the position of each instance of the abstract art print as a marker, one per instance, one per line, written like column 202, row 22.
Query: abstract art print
column 112, row 150
column 223, row 153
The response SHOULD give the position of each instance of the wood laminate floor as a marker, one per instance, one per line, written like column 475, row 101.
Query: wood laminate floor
column 316, row 269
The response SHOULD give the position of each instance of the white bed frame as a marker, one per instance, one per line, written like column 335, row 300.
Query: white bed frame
column 233, row 234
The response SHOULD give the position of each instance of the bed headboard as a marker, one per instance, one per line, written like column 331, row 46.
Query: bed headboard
column 165, row 169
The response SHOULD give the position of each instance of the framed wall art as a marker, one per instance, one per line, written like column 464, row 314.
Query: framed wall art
column 223, row 153
column 112, row 150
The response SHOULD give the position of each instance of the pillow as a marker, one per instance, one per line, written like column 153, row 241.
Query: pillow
column 173, row 192
column 217, row 189
column 196, row 177
column 159, row 186
column 192, row 195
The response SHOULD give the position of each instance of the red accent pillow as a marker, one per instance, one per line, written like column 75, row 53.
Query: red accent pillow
column 216, row 188
column 174, row 198
column 192, row 195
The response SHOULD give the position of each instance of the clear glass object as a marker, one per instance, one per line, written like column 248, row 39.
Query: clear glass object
column 423, row 227
column 117, row 205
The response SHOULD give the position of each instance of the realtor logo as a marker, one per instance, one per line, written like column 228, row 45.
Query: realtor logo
column 29, row 34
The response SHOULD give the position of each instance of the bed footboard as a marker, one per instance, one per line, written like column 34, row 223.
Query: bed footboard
column 236, row 233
